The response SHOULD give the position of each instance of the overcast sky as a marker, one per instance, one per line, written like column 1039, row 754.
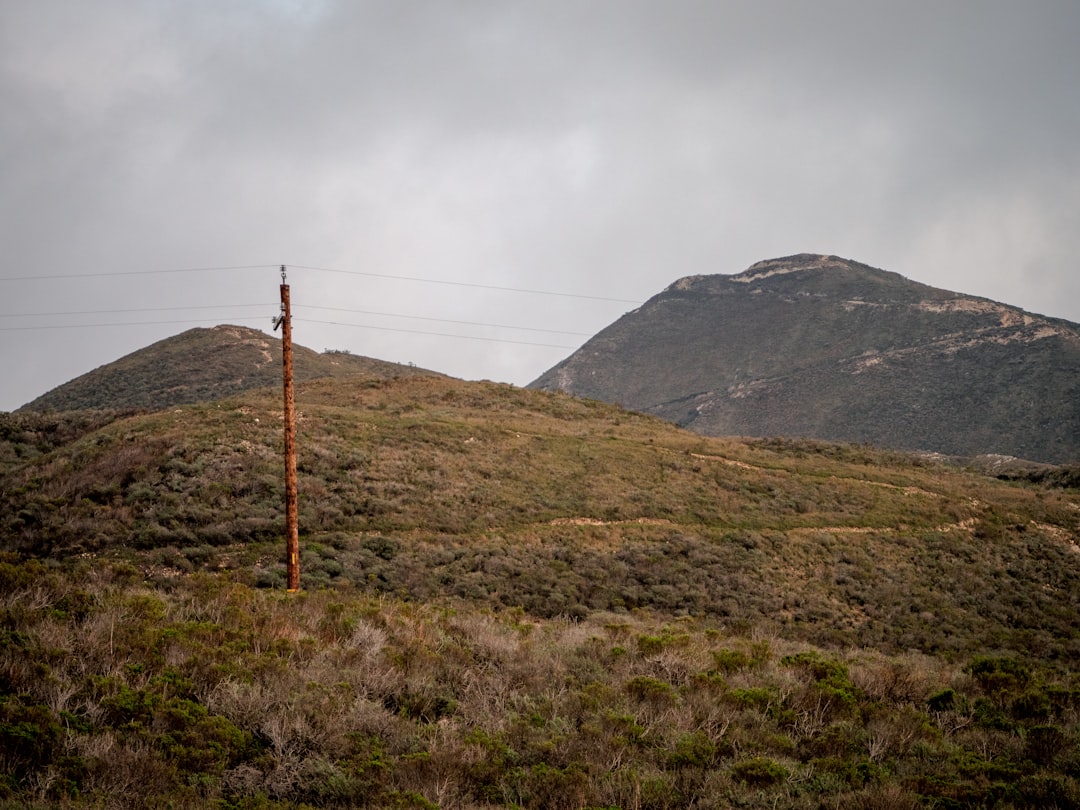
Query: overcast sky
column 454, row 156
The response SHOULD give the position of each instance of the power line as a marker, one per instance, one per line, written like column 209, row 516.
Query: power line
column 117, row 311
column 464, row 284
column 436, row 334
column 103, row 274
column 475, row 285
column 304, row 306
column 126, row 323
column 444, row 320
column 302, row 320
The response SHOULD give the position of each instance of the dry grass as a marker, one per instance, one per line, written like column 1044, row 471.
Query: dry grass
column 212, row 692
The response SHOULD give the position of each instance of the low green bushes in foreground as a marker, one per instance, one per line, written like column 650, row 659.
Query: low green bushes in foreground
column 202, row 691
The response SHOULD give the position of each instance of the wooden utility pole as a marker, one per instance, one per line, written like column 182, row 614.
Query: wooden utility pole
column 292, row 529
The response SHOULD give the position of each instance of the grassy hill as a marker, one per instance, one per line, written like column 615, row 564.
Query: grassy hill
column 200, row 365
column 515, row 598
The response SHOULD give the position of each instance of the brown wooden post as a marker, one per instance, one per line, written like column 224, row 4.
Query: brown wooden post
column 292, row 529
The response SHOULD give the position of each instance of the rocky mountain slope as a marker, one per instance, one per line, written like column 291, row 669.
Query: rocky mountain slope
column 200, row 365
column 822, row 347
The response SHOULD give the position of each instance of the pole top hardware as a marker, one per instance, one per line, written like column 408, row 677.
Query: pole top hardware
column 278, row 320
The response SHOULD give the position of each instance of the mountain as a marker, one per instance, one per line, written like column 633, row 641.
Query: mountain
column 201, row 365
column 823, row 347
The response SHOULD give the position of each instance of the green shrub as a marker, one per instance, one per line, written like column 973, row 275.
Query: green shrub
column 694, row 750
column 753, row 697
column 999, row 676
column 731, row 661
column 830, row 678
column 644, row 687
column 758, row 772
column 942, row 701
column 650, row 645
column 820, row 669
column 1044, row 745
column 30, row 736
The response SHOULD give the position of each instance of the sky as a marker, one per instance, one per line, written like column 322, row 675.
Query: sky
column 479, row 186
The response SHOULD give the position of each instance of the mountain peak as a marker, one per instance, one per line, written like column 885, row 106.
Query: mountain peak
column 817, row 346
column 199, row 365
column 790, row 264
column 800, row 263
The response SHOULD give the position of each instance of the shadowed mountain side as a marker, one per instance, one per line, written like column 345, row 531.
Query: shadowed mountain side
column 822, row 347
column 201, row 365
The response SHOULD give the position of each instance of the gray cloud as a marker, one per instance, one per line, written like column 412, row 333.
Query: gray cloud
column 593, row 147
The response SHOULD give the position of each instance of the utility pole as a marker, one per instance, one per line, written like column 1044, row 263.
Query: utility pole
column 292, row 529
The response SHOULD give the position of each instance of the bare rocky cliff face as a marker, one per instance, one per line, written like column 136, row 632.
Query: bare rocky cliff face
column 822, row 347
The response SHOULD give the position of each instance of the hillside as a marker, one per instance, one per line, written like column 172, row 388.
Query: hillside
column 822, row 347
column 200, row 365
column 521, row 599
column 437, row 487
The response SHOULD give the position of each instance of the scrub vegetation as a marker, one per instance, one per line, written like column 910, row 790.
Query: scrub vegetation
column 518, row 599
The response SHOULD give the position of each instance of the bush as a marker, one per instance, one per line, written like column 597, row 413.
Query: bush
column 731, row 661
column 30, row 736
column 758, row 772
column 694, row 750
column 644, row 687
column 999, row 676
column 942, row 701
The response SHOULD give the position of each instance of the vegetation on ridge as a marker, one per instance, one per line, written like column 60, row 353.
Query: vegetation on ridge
column 200, row 365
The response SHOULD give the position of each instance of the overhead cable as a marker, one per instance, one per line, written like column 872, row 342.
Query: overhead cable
column 443, row 320
column 464, row 284
column 435, row 334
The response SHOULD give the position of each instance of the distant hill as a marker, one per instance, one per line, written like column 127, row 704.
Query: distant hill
column 822, row 347
column 201, row 365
